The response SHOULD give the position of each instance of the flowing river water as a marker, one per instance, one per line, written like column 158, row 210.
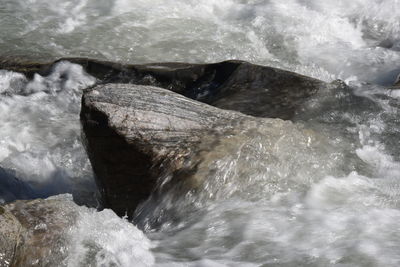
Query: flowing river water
column 323, row 190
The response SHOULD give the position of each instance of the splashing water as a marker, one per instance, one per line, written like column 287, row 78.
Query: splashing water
column 40, row 132
column 104, row 239
column 357, row 40
column 322, row 190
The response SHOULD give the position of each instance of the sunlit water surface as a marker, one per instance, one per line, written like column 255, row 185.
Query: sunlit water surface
column 323, row 190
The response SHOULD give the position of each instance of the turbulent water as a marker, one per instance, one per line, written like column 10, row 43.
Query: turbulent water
column 322, row 190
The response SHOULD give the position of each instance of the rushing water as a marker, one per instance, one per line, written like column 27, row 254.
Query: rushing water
column 321, row 191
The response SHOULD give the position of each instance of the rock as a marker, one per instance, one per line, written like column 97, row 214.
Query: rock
column 255, row 90
column 236, row 85
column 32, row 233
column 10, row 229
column 136, row 134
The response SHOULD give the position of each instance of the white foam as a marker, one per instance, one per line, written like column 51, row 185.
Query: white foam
column 11, row 82
column 64, row 76
column 40, row 131
column 328, row 41
column 104, row 239
column 383, row 164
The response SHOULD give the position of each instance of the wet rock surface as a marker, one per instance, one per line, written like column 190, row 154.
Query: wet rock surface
column 10, row 229
column 32, row 233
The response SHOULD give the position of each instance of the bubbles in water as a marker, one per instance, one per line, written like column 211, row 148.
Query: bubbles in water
column 11, row 82
column 104, row 239
column 318, row 38
column 40, row 142
column 320, row 191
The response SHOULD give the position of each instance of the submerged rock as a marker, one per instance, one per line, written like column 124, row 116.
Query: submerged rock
column 236, row 85
column 32, row 233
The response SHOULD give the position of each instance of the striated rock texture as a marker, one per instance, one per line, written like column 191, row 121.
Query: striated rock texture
column 236, row 85
column 136, row 134
column 32, row 233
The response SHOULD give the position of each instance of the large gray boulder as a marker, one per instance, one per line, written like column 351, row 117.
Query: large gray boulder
column 137, row 134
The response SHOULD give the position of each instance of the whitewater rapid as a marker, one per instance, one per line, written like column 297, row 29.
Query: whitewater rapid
column 323, row 39
column 323, row 193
